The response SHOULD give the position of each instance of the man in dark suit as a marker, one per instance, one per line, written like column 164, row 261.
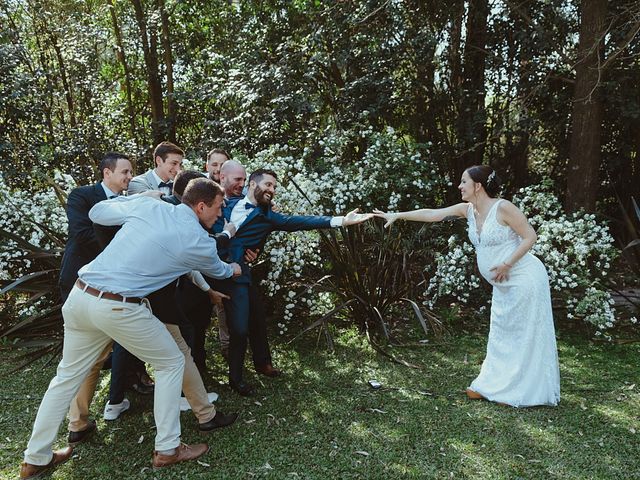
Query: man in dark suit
column 255, row 220
column 81, row 248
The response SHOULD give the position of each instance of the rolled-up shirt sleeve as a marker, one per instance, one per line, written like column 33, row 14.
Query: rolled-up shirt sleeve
column 212, row 266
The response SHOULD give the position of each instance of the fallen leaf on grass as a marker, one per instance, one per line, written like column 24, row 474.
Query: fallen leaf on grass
column 632, row 430
column 250, row 421
column 362, row 452
column 140, row 440
column 203, row 464
column 376, row 410
column 257, row 403
column 267, row 466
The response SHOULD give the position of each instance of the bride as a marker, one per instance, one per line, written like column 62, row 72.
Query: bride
column 521, row 366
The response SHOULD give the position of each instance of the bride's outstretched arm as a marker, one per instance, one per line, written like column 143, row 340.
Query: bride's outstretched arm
column 424, row 214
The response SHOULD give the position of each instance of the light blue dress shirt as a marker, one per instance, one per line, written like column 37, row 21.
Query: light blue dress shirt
column 158, row 242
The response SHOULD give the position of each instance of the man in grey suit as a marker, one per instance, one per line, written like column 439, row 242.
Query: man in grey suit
column 168, row 159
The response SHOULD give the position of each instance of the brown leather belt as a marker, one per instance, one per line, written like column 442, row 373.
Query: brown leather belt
column 108, row 295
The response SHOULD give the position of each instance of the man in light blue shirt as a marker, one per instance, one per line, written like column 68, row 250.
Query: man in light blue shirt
column 157, row 243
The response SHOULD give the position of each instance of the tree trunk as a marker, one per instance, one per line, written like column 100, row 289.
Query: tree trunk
column 68, row 93
column 150, row 53
column 586, row 118
column 471, row 128
column 168, row 63
column 117, row 32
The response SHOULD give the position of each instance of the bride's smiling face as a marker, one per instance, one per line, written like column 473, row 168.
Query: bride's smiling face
column 466, row 187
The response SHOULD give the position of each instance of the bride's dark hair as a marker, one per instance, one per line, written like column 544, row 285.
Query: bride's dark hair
column 486, row 176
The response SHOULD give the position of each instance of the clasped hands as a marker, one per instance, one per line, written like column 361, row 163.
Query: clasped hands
column 501, row 271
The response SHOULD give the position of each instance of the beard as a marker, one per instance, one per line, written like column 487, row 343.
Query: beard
column 262, row 197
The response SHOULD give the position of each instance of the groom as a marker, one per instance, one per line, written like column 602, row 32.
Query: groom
column 255, row 220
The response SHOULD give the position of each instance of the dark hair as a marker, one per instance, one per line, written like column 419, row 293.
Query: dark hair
column 220, row 151
column 110, row 160
column 258, row 174
column 201, row 190
column 182, row 179
column 486, row 176
column 165, row 148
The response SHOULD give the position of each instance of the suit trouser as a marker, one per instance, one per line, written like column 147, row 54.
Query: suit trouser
column 246, row 320
column 90, row 323
column 192, row 385
column 223, row 328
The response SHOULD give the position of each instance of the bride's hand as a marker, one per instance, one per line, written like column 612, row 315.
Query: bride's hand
column 387, row 216
column 502, row 272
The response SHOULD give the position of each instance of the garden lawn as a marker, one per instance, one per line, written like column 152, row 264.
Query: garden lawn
column 322, row 420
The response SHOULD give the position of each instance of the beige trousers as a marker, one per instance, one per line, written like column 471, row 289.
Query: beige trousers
column 89, row 325
column 192, row 386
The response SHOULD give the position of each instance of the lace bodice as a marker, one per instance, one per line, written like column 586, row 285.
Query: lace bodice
column 492, row 233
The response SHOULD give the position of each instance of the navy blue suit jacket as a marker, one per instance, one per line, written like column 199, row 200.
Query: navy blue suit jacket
column 82, row 246
column 255, row 230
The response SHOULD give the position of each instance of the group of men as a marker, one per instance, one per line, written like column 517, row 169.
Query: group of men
column 137, row 267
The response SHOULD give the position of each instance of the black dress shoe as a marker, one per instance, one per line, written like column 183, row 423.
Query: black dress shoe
column 75, row 438
column 219, row 421
column 241, row 388
column 142, row 389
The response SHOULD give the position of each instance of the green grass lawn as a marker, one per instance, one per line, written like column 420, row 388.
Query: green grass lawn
column 321, row 420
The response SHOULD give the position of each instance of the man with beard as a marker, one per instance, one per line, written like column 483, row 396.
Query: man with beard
column 255, row 220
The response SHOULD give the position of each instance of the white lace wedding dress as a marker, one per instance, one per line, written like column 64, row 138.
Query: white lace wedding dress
column 521, row 366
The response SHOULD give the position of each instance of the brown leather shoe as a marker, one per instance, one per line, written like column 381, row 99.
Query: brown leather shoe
column 268, row 370
column 183, row 453
column 473, row 395
column 28, row 470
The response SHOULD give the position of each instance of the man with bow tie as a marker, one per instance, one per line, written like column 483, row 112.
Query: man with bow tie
column 255, row 220
column 168, row 160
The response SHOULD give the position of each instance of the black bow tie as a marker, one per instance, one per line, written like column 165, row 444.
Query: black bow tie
column 249, row 205
column 166, row 184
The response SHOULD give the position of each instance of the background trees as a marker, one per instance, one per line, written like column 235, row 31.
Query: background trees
column 534, row 87
column 399, row 95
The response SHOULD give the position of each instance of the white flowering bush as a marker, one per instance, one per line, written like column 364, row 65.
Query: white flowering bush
column 392, row 174
column 35, row 216
column 576, row 249
column 33, row 227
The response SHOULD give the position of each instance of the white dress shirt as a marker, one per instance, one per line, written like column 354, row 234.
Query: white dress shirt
column 108, row 191
column 157, row 243
column 164, row 190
